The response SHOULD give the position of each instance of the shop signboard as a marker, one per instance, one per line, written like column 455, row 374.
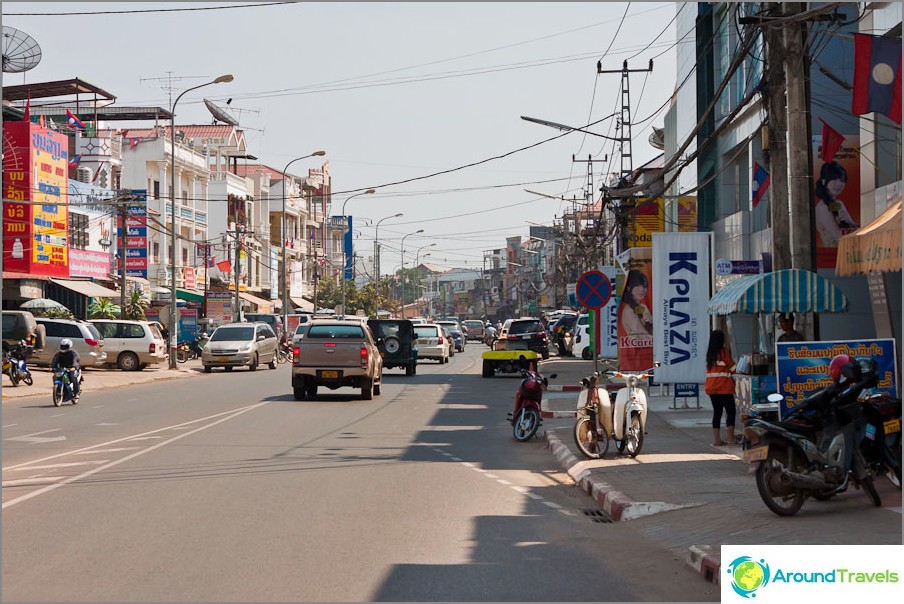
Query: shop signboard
column 89, row 263
column 136, row 234
column 188, row 324
column 802, row 368
column 635, row 319
column 219, row 307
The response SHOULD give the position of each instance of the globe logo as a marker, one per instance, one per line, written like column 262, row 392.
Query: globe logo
column 748, row 575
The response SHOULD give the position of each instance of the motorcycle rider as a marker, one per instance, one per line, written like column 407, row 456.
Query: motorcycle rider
column 490, row 335
column 67, row 359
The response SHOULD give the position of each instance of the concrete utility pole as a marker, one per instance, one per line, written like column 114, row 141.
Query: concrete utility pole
column 778, row 148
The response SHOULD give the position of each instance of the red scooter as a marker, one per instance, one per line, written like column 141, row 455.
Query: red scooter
column 525, row 419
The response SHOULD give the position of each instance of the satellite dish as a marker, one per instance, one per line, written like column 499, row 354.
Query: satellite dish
column 220, row 115
column 20, row 51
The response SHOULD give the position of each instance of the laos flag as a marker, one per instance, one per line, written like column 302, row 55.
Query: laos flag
column 877, row 76
column 73, row 121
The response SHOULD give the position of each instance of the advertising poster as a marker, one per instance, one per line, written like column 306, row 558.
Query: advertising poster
column 35, row 169
column 136, row 243
column 274, row 274
column 607, row 339
column 89, row 263
column 219, row 307
column 680, row 320
column 802, row 368
column 836, row 197
column 635, row 318
column 188, row 324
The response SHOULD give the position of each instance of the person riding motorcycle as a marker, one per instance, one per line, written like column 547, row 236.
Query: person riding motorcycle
column 67, row 359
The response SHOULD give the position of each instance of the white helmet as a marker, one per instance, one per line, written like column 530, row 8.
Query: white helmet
column 65, row 343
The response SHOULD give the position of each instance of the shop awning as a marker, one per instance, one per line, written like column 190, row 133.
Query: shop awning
column 302, row 303
column 874, row 248
column 87, row 288
column 189, row 296
column 790, row 290
column 264, row 306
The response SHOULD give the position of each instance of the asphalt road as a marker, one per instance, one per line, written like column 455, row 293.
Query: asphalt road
column 221, row 487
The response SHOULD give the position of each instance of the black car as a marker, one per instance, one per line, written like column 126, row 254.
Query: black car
column 395, row 340
column 525, row 334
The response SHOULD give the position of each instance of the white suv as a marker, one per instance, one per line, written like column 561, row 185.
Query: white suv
column 131, row 345
column 86, row 340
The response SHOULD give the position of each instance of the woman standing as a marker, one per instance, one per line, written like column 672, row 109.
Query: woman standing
column 720, row 386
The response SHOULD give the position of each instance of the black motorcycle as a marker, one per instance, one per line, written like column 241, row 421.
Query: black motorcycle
column 881, row 444
column 815, row 450
column 14, row 364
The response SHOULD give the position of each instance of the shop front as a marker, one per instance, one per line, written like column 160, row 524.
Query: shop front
column 760, row 296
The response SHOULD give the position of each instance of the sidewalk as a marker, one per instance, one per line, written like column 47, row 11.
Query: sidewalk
column 694, row 497
column 99, row 379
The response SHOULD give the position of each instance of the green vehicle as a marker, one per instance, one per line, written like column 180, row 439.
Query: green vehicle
column 395, row 340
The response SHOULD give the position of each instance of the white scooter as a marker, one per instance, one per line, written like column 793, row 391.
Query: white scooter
column 630, row 412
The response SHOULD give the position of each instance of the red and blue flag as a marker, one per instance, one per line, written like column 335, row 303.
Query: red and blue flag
column 761, row 181
column 75, row 161
column 73, row 121
column 877, row 76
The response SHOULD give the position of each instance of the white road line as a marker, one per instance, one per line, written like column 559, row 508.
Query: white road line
column 106, row 424
column 502, row 481
column 57, row 485
column 58, row 415
column 144, row 438
column 65, row 465
column 555, row 506
column 10, row 425
column 125, row 438
column 27, row 481
column 113, row 450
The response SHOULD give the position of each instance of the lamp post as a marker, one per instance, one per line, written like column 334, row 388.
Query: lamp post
column 377, row 263
column 173, row 324
column 285, row 259
column 344, row 250
column 416, row 264
column 403, row 266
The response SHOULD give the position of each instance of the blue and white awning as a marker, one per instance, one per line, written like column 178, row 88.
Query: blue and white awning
column 790, row 290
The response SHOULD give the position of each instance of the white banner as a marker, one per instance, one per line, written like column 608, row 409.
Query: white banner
column 608, row 336
column 680, row 321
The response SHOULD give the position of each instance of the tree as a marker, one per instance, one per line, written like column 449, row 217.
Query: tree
column 136, row 306
column 103, row 308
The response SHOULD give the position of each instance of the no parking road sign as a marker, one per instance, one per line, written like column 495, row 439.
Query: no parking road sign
column 594, row 290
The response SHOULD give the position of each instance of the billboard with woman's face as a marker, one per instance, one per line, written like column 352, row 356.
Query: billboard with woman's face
column 635, row 318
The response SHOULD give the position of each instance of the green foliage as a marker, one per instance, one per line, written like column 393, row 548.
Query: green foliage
column 53, row 313
column 136, row 306
column 329, row 295
column 103, row 308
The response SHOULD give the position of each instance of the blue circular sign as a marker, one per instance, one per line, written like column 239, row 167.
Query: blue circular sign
column 593, row 290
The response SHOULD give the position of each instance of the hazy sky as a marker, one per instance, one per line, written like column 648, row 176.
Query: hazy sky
column 393, row 92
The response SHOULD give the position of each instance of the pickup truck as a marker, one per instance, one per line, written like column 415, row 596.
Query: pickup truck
column 334, row 353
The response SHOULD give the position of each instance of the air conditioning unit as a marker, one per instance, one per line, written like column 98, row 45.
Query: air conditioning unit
column 83, row 174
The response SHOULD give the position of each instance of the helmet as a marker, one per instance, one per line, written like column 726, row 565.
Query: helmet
column 835, row 366
column 65, row 343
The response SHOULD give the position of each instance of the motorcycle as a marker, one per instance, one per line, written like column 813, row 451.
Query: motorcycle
column 14, row 365
column 490, row 340
column 525, row 419
column 189, row 350
column 63, row 387
column 881, row 444
column 815, row 450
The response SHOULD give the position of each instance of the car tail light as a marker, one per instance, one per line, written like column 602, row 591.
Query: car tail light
column 439, row 340
column 296, row 353
column 91, row 342
column 541, row 335
column 152, row 348
column 364, row 357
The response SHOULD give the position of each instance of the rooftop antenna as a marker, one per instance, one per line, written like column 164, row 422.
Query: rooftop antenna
column 20, row 51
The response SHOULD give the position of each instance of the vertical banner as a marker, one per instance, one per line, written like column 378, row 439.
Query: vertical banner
column 349, row 252
column 274, row 274
column 680, row 320
column 608, row 337
column 836, row 197
column 635, row 320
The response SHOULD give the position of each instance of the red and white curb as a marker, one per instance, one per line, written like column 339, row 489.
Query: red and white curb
column 566, row 388
column 702, row 559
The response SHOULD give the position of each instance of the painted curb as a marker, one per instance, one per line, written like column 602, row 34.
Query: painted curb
column 561, row 388
column 702, row 559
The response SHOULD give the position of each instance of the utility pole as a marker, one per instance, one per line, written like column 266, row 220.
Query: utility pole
column 626, row 204
column 239, row 234
column 123, row 210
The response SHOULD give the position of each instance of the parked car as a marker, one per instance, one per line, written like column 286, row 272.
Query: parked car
column 20, row 325
column 274, row 321
column 526, row 333
column 85, row 339
column 475, row 330
column 240, row 345
column 396, row 343
column 431, row 342
column 457, row 334
column 131, row 345
column 581, row 347
column 447, row 338
column 336, row 353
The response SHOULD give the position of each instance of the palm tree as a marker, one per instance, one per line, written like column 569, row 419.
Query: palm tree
column 136, row 306
column 103, row 308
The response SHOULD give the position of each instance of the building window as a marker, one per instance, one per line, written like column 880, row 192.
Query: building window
column 78, row 230
column 156, row 252
column 156, row 189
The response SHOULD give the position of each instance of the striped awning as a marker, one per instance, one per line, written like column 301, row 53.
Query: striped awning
column 790, row 290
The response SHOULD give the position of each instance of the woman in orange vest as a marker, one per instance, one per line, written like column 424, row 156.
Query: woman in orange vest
column 720, row 386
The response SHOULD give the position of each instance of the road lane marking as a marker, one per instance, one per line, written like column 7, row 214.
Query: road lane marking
column 30, row 481
column 65, row 465
column 34, row 437
column 113, row 450
column 10, row 425
column 72, row 479
column 145, row 438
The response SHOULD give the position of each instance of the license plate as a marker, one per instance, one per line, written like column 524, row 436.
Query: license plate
column 892, row 426
column 422, row 342
column 222, row 359
column 756, row 453
column 329, row 375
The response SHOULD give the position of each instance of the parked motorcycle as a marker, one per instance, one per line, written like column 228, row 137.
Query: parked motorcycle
column 525, row 419
column 881, row 444
column 63, row 385
column 189, row 350
column 815, row 451
column 14, row 365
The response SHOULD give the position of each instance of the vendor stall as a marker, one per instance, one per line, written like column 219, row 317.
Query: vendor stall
column 789, row 290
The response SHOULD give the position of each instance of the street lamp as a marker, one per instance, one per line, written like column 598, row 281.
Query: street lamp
column 418, row 253
column 403, row 266
column 285, row 259
column 173, row 324
column 377, row 263
column 344, row 247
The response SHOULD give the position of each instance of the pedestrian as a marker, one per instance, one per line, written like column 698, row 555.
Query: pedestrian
column 789, row 333
column 720, row 386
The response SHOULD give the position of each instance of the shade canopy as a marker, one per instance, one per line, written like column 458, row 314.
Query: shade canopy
column 789, row 290
column 88, row 289
column 42, row 304
column 875, row 247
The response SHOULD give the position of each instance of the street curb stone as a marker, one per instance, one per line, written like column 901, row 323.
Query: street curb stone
column 702, row 559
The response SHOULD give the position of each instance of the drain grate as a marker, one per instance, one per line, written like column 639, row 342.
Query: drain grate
column 597, row 516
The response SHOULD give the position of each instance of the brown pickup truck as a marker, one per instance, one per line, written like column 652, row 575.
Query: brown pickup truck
column 334, row 353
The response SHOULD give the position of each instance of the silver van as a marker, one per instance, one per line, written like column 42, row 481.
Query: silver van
column 86, row 340
column 240, row 345
column 131, row 345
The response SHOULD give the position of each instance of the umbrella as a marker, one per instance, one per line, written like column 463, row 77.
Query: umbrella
column 42, row 304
